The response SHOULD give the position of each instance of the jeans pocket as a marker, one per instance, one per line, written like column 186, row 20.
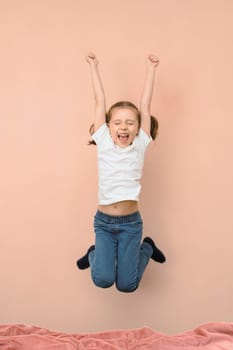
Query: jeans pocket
column 100, row 226
column 134, row 227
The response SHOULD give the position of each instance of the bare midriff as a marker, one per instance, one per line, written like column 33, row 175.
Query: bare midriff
column 119, row 208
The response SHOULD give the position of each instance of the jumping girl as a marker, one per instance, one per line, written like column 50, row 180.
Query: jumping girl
column 122, row 136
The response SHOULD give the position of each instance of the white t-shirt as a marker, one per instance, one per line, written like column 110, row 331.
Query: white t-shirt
column 120, row 169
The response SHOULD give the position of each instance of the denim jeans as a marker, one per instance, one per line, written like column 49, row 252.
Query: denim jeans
column 119, row 256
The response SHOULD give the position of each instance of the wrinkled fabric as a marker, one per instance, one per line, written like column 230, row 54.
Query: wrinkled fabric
column 210, row 336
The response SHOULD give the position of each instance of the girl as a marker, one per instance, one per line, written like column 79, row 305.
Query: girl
column 122, row 136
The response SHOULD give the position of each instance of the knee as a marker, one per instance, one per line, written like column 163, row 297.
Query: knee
column 126, row 287
column 103, row 282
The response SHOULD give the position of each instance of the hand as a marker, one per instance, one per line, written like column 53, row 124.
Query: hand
column 152, row 60
column 91, row 58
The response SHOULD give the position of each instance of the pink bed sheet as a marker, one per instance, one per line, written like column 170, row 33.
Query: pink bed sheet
column 210, row 336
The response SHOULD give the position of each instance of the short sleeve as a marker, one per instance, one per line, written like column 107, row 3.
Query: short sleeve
column 143, row 138
column 100, row 134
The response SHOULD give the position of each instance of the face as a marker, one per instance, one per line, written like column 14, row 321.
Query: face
column 123, row 126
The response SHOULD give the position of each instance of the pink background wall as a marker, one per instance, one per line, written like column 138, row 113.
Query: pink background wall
column 48, row 174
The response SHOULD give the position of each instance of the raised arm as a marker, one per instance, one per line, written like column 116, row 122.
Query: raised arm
column 152, row 62
column 100, row 107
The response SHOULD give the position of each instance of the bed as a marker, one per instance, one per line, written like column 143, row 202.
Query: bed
column 209, row 336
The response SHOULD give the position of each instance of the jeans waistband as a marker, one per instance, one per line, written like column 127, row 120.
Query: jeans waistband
column 117, row 219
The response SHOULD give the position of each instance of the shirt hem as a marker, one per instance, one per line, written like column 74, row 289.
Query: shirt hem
column 106, row 202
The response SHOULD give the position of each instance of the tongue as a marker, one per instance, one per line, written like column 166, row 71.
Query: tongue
column 123, row 139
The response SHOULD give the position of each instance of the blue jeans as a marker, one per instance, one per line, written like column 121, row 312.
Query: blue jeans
column 119, row 256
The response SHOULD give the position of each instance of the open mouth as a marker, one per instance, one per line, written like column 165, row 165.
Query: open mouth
column 123, row 137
